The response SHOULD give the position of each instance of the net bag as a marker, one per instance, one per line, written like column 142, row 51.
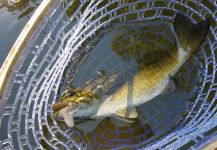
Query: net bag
column 71, row 28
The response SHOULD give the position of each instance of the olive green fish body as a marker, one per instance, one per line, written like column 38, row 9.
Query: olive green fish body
column 147, row 84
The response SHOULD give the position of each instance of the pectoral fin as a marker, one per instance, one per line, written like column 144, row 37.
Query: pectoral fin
column 171, row 86
column 68, row 114
column 127, row 115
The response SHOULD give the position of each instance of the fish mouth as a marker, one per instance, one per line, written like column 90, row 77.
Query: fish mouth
column 60, row 109
column 58, row 106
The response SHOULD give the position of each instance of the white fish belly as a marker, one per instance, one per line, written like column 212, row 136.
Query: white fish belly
column 107, row 108
column 110, row 106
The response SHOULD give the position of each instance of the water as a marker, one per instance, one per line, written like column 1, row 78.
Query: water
column 13, row 17
column 123, row 60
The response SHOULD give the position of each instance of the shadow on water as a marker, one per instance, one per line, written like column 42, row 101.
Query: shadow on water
column 121, row 54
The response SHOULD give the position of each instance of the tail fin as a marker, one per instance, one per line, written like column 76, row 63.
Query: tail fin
column 190, row 35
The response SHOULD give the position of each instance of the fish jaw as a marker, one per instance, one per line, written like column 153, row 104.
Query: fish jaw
column 67, row 115
column 65, row 111
column 58, row 106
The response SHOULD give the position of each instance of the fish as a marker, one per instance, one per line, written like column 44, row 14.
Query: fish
column 156, row 78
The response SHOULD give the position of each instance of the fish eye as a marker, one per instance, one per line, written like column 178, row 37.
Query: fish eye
column 71, row 94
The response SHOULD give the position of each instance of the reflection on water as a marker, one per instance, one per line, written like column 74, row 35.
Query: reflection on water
column 13, row 17
column 24, row 6
column 121, row 55
column 131, row 39
column 108, row 134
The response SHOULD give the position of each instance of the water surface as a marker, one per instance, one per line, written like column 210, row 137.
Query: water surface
column 13, row 17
